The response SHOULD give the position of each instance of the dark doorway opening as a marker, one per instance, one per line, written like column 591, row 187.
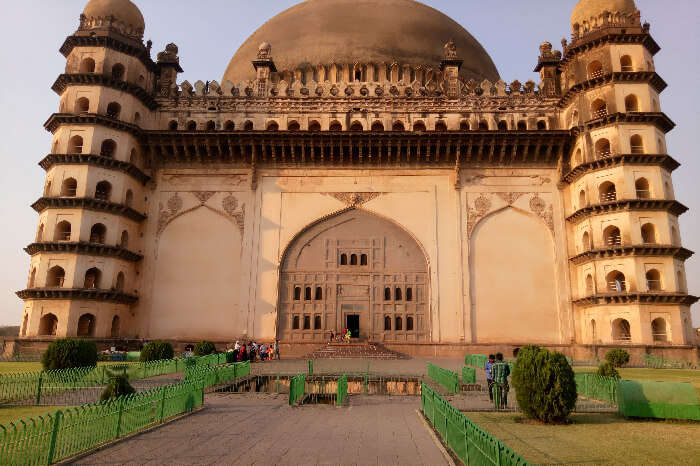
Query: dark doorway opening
column 353, row 324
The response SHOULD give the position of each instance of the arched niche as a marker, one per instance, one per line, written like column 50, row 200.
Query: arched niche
column 197, row 273
column 513, row 282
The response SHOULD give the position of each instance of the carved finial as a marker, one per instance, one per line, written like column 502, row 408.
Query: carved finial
column 546, row 49
column 149, row 44
column 169, row 55
column 264, row 51
column 450, row 50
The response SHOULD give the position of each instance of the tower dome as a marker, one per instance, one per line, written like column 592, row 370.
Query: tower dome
column 325, row 32
column 123, row 14
column 587, row 9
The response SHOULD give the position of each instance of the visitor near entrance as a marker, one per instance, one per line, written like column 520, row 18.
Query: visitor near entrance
column 501, row 371
column 488, row 368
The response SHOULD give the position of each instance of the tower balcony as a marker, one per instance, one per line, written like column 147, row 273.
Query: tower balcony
column 83, row 248
column 78, row 294
column 88, row 203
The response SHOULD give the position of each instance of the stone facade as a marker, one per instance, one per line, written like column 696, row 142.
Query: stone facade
column 409, row 202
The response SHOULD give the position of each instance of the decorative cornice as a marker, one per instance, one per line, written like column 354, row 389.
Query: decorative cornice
column 658, row 119
column 111, row 42
column 670, row 206
column 679, row 253
column 97, row 161
column 92, row 79
column 85, row 248
column 610, row 35
column 78, row 294
column 659, row 298
column 58, row 119
column 662, row 160
column 649, row 77
column 87, row 203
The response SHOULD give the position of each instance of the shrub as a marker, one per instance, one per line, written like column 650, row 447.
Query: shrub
column 203, row 348
column 544, row 384
column 157, row 350
column 608, row 370
column 66, row 353
column 617, row 357
column 118, row 386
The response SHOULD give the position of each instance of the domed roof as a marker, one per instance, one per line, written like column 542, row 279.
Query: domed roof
column 587, row 9
column 322, row 32
column 127, row 16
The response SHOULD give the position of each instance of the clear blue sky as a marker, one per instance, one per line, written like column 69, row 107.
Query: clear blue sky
column 208, row 32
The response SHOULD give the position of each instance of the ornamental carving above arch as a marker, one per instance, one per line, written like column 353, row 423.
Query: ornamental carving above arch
column 539, row 204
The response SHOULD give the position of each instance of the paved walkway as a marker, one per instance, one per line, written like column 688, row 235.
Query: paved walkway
column 262, row 429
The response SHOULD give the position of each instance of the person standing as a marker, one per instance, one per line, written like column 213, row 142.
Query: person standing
column 501, row 371
column 277, row 349
column 488, row 368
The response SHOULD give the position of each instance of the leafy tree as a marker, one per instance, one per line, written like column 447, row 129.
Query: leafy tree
column 203, row 348
column 66, row 353
column 118, row 386
column 608, row 370
column 617, row 357
column 157, row 350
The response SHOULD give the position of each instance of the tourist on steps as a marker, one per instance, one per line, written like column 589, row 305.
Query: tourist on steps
column 277, row 349
column 488, row 367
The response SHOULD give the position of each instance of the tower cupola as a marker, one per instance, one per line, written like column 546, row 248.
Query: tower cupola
column 593, row 14
column 121, row 16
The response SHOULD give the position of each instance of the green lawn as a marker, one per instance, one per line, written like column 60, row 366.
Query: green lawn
column 655, row 375
column 596, row 439
column 14, row 413
column 11, row 367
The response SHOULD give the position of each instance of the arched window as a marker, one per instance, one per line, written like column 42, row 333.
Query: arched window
column 118, row 72
column 658, row 329
column 621, row 330
column 343, row 259
column 229, row 126
column 594, row 331
column 653, row 277
column 353, row 259
column 120, row 282
column 626, row 63
column 92, row 278
column 32, row 278
column 377, row 126
column 419, row 126
column 387, row 323
column 97, row 233
column 582, row 199
column 503, row 125
column 307, row 322
column 40, row 234
column 398, row 325
column 82, row 105
column 397, row 294
column 297, row 293
column 293, row 126
column 108, row 148
column 648, row 233
column 55, row 277
column 307, row 293
column 541, row 125
column 211, row 125
column 586, row 241
column 172, row 126
column 356, row 126
column 128, row 198
column 599, row 109
column 48, row 325
column 387, row 294
column 272, row 126
column 602, row 148
column 642, row 187
column 314, row 126
column 595, row 70
column 124, row 240
column 191, row 126
column 409, row 294
column 133, row 156
column 522, row 125
column 86, row 325
column 607, row 192
column 248, row 126
column 114, row 109
column 114, row 330
column 103, row 190
column 69, row 187
column 295, row 323
column 363, row 259
column 616, row 281
column 87, row 66
column 62, row 232
column 335, row 126
column 75, row 145
column 631, row 103
column 612, row 236
column 398, row 126
column 590, row 288
column 463, row 126
column 319, row 293
column 483, row 125
column 317, row 322
column 637, row 144
column 409, row 323
column 440, row 126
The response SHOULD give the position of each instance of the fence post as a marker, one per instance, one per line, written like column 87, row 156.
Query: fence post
column 498, row 453
column 162, row 405
column 38, row 388
column 366, row 384
column 311, row 366
column 278, row 383
column 119, row 417
column 466, row 442
column 54, row 434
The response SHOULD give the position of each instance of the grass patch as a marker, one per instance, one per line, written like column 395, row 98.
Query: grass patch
column 15, row 413
column 655, row 375
column 596, row 439
column 13, row 367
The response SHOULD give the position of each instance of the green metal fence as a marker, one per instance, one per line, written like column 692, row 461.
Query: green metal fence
column 214, row 375
column 447, row 378
column 468, row 374
column 62, row 434
column 297, row 386
column 342, row 391
column 475, row 360
column 467, row 440
column 661, row 400
column 597, row 387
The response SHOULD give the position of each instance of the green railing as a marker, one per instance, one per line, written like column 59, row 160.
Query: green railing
column 447, row 378
column 66, row 433
column 297, row 386
column 467, row 440
column 214, row 375
column 597, row 387
column 468, row 374
column 342, row 391
column 475, row 360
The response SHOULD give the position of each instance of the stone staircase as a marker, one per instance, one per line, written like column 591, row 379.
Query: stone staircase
column 354, row 351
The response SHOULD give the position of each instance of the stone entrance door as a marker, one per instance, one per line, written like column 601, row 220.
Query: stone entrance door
column 355, row 317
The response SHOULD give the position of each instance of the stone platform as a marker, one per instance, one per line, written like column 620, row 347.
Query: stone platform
column 354, row 351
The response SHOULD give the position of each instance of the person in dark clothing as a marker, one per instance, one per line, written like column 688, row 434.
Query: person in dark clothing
column 488, row 367
column 501, row 371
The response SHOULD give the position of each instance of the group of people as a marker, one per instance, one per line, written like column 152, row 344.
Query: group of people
column 497, row 372
column 340, row 337
column 252, row 351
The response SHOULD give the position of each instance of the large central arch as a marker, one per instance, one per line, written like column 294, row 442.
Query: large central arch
column 354, row 270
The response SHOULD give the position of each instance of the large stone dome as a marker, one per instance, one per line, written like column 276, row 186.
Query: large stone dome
column 127, row 16
column 587, row 9
column 322, row 32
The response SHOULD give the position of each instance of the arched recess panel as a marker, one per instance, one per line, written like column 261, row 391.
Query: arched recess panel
column 352, row 292
column 513, row 280
column 196, row 288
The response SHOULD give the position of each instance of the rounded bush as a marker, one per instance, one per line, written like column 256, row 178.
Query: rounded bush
column 118, row 386
column 608, row 370
column 203, row 348
column 544, row 384
column 66, row 353
column 157, row 350
column 617, row 357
